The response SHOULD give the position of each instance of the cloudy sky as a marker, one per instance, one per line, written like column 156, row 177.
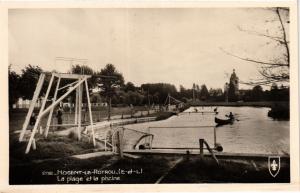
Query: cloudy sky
column 176, row 45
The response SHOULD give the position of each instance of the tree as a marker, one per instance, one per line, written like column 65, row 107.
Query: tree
column 276, row 69
column 162, row 89
column 257, row 93
column 13, row 82
column 28, row 81
column 129, row 87
column 216, row 94
column 109, row 80
column 204, row 94
column 83, row 69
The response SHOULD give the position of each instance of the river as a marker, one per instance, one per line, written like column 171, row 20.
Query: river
column 253, row 132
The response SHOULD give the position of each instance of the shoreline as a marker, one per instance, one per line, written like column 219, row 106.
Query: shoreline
column 239, row 104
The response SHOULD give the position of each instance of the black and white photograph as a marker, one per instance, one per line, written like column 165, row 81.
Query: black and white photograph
column 162, row 95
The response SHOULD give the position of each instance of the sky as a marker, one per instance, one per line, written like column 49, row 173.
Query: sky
column 180, row 46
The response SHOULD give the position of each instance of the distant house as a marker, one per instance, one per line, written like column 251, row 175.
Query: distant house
column 97, row 101
column 25, row 103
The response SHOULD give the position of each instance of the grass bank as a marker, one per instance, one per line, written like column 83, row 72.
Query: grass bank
column 146, row 169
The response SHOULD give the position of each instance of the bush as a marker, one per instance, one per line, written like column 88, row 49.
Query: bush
column 280, row 111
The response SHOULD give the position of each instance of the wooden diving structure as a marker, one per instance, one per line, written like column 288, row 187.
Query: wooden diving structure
column 78, row 85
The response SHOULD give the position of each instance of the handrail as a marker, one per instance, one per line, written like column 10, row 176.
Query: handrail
column 115, row 131
column 142, row 137
column 199, row 126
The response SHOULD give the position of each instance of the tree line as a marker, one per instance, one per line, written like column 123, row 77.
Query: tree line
column 112, row 88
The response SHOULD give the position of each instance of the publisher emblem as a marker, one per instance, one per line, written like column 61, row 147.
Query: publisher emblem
column 274, row 165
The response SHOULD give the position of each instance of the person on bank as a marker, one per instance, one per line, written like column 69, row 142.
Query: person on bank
column 32, row 120
column 59, row 114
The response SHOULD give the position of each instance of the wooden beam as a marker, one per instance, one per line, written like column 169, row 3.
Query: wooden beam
column 215, row 137
column 68, row 85
column 201, row 141
column 79, row 112
column 39, row 116
column 32, row 104
column 51, row 111
column 90, row 112
column 76, row 107
column 72, row 76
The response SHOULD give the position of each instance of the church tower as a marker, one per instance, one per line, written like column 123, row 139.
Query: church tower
column 234, row 80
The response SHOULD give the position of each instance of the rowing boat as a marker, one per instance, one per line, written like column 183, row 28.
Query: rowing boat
column 223, row 121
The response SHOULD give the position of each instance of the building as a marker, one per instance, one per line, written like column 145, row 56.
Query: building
column 234, row 80
column 231, row 89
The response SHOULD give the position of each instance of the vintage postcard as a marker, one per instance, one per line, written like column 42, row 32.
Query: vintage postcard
column 150, row 95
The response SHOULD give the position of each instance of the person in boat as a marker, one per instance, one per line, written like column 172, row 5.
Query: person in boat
column 231, row 116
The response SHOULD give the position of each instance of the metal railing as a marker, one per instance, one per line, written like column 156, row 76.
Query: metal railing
column 144, row 136
column 202, row 142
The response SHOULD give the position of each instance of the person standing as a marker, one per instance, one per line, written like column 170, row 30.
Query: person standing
column 59, row 114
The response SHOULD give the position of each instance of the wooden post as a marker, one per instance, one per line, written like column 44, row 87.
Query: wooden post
column 51, row 111
column 76, row 106
column 201, row 146
column 215, row 137
column 33, row 145
column 32, row 104
column 39, row 116
column 79, row 111
column 90, row 113
column 120, row 142
column 109, row 109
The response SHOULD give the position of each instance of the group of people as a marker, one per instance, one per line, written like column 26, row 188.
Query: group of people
column 230, row 116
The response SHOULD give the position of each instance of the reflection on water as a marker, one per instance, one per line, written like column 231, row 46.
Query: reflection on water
column 254, row 132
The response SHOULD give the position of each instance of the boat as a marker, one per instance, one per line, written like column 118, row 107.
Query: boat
column 223, row 121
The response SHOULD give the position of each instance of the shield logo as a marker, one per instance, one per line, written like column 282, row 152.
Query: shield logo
column 274, row 165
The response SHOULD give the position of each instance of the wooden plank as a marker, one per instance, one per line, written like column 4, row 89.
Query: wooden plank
column 168, row 171
column 79, row 111
column 32, row 104
column 72, row 76
column 76, row 107
column 92, row 155
column 51, row 111
column 196, row 152
column 199, row 126
column 131, row 156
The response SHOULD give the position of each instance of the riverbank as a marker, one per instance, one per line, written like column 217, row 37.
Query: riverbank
column 17, row 116
column 239, row 104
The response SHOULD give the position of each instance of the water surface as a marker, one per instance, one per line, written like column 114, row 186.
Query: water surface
column 254, row 132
